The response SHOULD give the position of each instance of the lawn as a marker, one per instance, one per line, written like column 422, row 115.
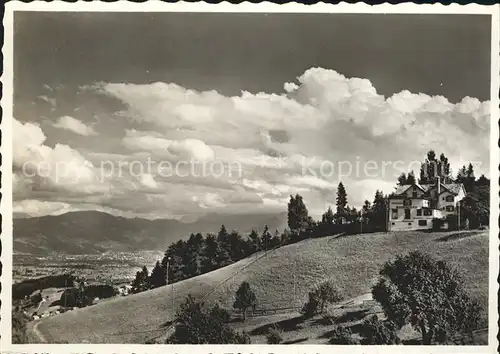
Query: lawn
column 281, row 278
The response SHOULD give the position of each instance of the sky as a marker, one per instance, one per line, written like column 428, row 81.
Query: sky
column 166, row 115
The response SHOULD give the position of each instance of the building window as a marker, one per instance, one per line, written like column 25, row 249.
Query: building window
column 427, row 212
column 407, row 214
column 450, row 198
column 407, row 202
column 394, row 214
column 450, row 208
column 422, row 223
column 409, row 223
column 414, row 194
column 419, row 212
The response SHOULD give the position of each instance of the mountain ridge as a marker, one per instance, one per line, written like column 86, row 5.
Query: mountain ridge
column 88, row 232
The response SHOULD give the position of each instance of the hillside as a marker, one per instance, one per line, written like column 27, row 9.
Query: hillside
column 87, row 232
column 352, row 262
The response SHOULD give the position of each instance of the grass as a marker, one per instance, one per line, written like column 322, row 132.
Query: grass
column 280, row 279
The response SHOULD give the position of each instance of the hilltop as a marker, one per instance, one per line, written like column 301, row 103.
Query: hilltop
column 280, row 278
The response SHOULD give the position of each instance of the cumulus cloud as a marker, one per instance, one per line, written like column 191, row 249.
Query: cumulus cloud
column 49, row 168
column 323, row 115
column 75, row 126
column 322, row 119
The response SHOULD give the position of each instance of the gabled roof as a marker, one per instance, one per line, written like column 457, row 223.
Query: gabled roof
column 402, row 189
column 453, row 188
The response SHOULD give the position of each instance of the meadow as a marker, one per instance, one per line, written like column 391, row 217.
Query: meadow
column 280, row 278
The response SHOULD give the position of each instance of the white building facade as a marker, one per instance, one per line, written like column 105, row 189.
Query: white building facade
column 412, row 207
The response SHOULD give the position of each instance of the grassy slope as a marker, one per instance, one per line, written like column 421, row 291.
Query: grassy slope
column 352, row 262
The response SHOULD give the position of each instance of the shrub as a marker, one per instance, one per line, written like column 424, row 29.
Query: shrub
column 437, row 224
column 198, row 324
column 19, row 327
column 329, row 316
column 321, row 296
column 274, row 335
column 342, row 336
column 377, row 332
column 419, row 290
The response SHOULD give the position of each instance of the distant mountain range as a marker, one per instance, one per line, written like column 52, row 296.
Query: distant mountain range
column 87, row 232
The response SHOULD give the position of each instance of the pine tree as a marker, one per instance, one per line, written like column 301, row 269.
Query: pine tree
column 158, row 276
column 341, row 203
column 432, row 168
column 253, row 241
column 444, row 169
column 366, row 212
column 237, row 246
column 223, row 241
column 379, row 210
column 208, row 254
column 402, row 179
column 328, row 217
column 141, row 281
column 265, row 239
column 411, row 178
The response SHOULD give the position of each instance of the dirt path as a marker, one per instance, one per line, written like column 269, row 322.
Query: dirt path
column 34, row 335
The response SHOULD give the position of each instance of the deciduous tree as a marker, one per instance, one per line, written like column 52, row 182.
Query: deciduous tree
column 245, row 298
column 419, row 290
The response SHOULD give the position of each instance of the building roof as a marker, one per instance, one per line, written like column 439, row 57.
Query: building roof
column 452, row 187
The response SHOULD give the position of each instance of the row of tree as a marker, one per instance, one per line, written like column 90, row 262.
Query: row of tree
column 201, row 254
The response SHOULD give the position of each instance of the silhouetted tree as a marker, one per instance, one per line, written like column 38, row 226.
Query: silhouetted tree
column 341, row 204
column 141, row 281
column 158, row 276
column 298, row 216
column 402, row 179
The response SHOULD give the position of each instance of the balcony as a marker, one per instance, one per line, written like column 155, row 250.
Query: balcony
column 416, row 203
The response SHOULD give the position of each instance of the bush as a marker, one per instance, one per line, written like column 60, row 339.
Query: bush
column 274, row 335
column 329, row 316
column 437, row 224
column 101, row 291
column 323, row 295
column 377, row 332
column 198, row 324
column 342, row 336
column 19, row 327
